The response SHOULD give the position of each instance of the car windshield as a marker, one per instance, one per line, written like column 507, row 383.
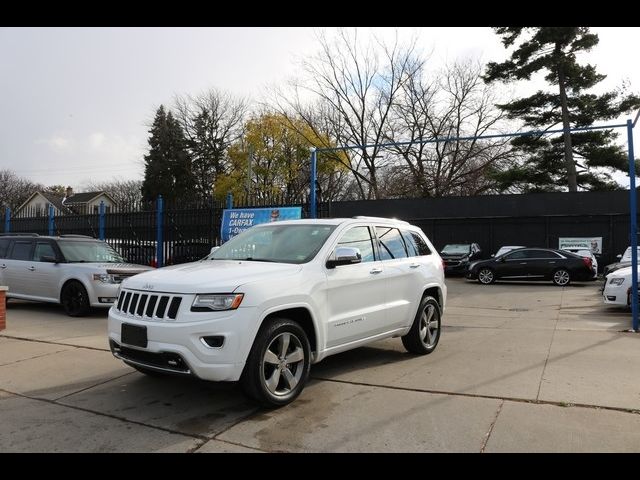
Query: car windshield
column 627, row 255
column 276, row 243
column 456, row 249
column 86, row 251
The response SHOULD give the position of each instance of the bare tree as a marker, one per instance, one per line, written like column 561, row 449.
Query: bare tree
column 124, row 192
column 455, row 104
column 357, row 86
column 211, row 122
column 15, row 190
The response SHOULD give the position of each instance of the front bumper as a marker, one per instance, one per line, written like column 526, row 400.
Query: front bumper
column 167, row 338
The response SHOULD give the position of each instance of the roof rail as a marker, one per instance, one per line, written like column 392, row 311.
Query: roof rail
column 364, row 217
column 71, row 235
column 18, row 234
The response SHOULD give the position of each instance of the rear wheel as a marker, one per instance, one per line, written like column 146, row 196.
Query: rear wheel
column 278, row 366
column 424, row 335
column 75, row 299
column 486, row 276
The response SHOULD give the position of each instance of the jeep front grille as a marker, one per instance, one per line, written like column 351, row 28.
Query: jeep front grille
column 148, row 306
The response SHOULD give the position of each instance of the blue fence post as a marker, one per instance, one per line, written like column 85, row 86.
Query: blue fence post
column 7, row 220
column 312, row 184
column 633, row 227
column 159, row 239
column 51, row 226
column 229, row 200
column 101, row 220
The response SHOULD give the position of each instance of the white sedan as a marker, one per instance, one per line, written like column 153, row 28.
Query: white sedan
column 618, row 287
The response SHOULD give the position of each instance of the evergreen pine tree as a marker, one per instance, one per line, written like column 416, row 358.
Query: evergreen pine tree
column 578, row 160
column 167, row 165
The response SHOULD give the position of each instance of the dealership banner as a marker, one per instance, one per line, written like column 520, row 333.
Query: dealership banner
column 237, row 220
column 588, row 243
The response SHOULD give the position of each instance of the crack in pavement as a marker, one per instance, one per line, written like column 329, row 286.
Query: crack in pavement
column 488, row 435
column 32, row 358
column 51, row 342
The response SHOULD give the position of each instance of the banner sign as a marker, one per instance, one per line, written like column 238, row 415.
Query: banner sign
column 237, row 220
column 588, row 243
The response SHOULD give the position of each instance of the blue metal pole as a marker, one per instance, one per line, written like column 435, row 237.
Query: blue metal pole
column 312, row 187
column 634, row 227
column 51, row 229
column 101, row 220
column 229, row 200
column 159, row 232
column 7, row 220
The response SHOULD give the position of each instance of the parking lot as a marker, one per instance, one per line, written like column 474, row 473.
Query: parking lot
column 520, row 367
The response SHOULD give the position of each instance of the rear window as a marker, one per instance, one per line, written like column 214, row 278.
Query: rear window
column 415, row 244
column 21, row 250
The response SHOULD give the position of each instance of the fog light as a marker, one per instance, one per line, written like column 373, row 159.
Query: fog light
column 107, row 299
column 215, row 341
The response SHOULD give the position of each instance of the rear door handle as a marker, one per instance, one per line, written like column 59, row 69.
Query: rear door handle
column 375, row 270
column 3, row 266
column 31, row 268
column 414, row 265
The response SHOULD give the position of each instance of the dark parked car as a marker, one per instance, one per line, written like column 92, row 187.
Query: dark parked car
column 458, row 256
column 559, row 266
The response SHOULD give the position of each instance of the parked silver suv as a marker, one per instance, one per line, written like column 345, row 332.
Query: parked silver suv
column 77, row 271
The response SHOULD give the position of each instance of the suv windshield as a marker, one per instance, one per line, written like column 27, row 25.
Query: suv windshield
column 87, row 251
column 456, row 249
column 276, row 243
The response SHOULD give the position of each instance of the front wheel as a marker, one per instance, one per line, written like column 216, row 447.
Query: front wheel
column 561, row 277
column 424, row 335
column 75, row 299
column 278, row 366
column 486, row 276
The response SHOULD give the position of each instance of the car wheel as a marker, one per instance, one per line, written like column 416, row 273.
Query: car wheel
column 561, row 277
column 278, row 366
column 486, row 276
column 424, row 335
column 75, row 299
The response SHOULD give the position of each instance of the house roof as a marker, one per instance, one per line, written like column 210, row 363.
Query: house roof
column 53, row 199
column 83, row 197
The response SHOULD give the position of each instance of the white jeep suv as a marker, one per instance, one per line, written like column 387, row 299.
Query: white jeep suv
column 280, row 296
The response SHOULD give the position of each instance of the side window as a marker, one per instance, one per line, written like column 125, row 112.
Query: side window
column 391, row 243
column 43, row 249
column 542, row 254
column 21, row 250
column 4, row 246
column 359, row 237
column 519, row 255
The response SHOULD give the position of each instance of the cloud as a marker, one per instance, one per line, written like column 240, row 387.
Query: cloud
column 96, row 140
column 57, row 143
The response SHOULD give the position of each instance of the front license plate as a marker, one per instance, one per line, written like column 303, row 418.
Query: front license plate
column 134, row 335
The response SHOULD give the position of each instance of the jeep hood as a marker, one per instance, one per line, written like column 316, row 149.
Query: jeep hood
column 209, row 276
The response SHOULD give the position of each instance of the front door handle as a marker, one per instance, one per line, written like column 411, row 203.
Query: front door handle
column 375, row 270
column 31, row 268
column 523, row 263
column 414, row 265
column 3, row 266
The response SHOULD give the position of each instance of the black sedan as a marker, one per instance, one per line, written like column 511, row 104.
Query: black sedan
column 559, row 266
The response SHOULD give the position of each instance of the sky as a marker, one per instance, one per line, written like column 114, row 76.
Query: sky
column 76, row 103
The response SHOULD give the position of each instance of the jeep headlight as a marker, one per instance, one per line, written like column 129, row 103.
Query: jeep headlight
column 104, row 278
column 616, row 281
column 216, row 301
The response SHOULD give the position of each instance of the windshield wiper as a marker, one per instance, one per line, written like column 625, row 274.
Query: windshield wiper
column 255, row 259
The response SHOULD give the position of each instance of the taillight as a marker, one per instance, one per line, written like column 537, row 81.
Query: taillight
column 587, row 262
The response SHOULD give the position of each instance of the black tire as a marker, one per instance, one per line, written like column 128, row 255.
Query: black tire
column 424, row 335
column 264, row 378
column 561, row 277
column 486, row 276
column 75, row 299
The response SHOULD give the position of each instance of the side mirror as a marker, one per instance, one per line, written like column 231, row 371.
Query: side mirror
column 344, row 256
column 48, row 259
column 619, row 256
column 493, row 255
column 213, row 249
